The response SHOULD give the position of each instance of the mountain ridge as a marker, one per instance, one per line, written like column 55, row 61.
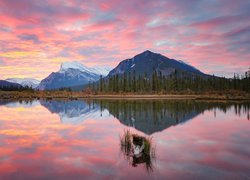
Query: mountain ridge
column 71, row 74
column 7, row 84
column 75, row 74
column 30, row 82
column 148, row 62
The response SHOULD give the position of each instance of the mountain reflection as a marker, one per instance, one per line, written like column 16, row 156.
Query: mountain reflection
column 71, row 112
column 153, row 116
column 148, row 116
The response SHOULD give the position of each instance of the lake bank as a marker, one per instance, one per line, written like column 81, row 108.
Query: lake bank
column 14, row 95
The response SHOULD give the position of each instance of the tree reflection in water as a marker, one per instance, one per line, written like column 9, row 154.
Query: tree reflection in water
column 137, row 149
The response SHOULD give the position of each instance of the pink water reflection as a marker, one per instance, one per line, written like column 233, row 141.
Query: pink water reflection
column 34, row 143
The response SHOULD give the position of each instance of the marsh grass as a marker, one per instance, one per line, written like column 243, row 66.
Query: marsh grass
column 147, row 155
column 56, row 94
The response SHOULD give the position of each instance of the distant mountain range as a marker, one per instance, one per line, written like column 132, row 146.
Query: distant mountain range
column 6, row 84
column 30, row 82
column 75, row 74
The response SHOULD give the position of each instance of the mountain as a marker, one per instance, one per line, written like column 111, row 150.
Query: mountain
column 30, row 82
column 71, row 74
column 5, row 84
column 148, row 62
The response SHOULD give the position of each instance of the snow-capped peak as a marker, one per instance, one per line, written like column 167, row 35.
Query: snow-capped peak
column 74, row 65
column 79, row 66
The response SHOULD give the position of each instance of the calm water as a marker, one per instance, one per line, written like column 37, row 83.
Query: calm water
column 76, row 139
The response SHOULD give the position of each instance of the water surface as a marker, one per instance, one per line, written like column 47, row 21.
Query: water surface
column 75, row 139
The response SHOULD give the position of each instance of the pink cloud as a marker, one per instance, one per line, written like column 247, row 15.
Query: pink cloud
column 186, row 31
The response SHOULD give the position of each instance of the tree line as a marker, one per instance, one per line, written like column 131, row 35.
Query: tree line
column 16, row 88
column 176, row 82
column 160, row 109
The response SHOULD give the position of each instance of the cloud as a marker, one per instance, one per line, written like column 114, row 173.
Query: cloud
column 245, row 31
column 222, row 21
column 89, row 51
column 45, row 33
column 29, row 37
column 65, row 52
column 19, row 54
column 5, row 28
column 2, row 63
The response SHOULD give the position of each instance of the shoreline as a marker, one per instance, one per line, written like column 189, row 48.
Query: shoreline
column 168, row 97
column 13, row 95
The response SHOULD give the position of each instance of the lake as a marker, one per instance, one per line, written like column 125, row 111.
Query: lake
column 124, row 139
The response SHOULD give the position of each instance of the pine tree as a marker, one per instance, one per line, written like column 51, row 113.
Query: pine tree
column 101, row 84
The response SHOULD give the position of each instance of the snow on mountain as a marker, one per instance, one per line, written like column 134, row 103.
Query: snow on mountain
column 102, row 70
column 74, row 65
column 77, row 65
column 73, row 112
column 72, row 74
column 24, row 81
column 23, row 104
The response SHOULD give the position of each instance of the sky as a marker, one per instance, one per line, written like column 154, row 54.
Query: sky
column 37, row 36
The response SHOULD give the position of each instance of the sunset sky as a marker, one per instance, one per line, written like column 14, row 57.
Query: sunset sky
column 36, row 36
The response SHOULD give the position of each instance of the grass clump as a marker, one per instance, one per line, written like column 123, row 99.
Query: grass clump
column 137, row 149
